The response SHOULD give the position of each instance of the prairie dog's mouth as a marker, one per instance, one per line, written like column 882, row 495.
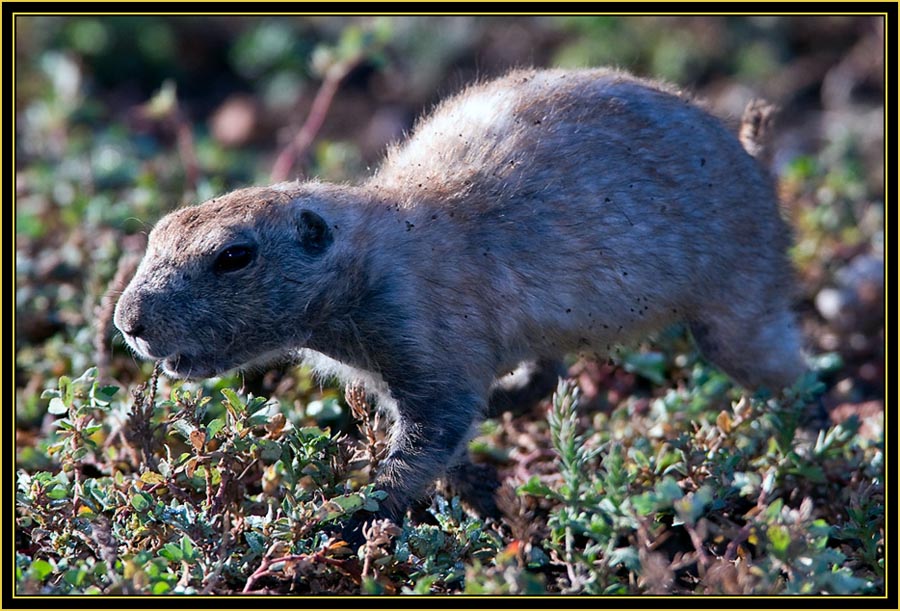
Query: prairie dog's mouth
column 204, row 366
column 183, row 366
column 141, row 347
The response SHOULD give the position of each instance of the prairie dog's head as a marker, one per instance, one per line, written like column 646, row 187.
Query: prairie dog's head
column 229, row 282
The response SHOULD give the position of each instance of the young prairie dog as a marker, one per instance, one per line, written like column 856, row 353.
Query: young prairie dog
column 546, row 212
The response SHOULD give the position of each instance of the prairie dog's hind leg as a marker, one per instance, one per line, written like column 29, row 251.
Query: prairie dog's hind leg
column 758, row 349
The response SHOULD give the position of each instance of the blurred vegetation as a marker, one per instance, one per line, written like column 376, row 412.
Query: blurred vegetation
column 650, row 474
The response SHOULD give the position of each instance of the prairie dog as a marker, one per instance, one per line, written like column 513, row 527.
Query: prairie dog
column 546, row 212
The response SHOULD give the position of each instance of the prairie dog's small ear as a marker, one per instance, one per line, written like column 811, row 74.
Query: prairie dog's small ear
column 315, row 235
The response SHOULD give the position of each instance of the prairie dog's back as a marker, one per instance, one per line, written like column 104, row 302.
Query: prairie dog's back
column 585, row 187
column 526, row 131
column 587, row 146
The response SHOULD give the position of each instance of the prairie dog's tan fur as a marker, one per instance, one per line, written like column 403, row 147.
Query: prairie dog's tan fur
column 542, row 213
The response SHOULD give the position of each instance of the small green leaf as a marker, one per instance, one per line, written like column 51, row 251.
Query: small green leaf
column 184, row 428
column 349, row 503
column 58, row 492
column 65, row 424
column 644, row 504
column 339, row 506
column 141, row 501
column 256, row 541
column 87, row 377
column 641, row 459
column 160, row 587
column 259, row 418
column 233, row 400
column 692, row 506
column 171, row 552
column 626, row 556
column 65, row 390
column 57, row 406
column 270, row 450
column 668, row 490
column 105, row 394
column 151, row 477
column 41, row 569
column 254, row 403
column 780, row 539
column 370, row 587
column 75, row 577
column 651, row 365
column 90, row 430
column 214, row 427
column 534, row 487
column 187, row 548
column 773, row 511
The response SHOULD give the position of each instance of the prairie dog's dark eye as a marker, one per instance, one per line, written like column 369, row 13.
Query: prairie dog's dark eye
column 234, row 258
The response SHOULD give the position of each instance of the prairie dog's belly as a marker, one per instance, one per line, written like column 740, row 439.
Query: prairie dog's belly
column 324, row 367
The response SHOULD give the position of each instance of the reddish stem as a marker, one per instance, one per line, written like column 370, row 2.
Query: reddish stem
column 263, row 570
column 304, row 138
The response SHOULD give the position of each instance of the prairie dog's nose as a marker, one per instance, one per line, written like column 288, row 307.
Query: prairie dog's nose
column 134, row 331
column 127, row 317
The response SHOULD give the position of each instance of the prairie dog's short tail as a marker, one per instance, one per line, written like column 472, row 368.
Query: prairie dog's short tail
column 756, row 128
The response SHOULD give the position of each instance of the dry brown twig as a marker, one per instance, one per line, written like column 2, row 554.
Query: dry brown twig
column 139, row 432
column 165, row 109
column 368, row 425
column 307, row 133
column 291, row 562
column 104, row 312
